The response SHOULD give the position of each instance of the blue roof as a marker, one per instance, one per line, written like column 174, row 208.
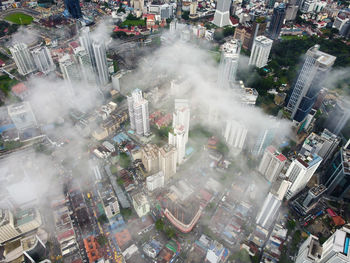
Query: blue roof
column 7, row 127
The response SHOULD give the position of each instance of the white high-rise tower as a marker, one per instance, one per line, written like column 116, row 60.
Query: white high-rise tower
column 86, row 69
column 138, row 113
column 43, row 60
column 23, row 59
column 260, row 51
column 229, row 62
column 222, row 13
column 99, row 49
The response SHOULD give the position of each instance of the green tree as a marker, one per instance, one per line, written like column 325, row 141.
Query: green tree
column 102, row 219
column 170, row 232
column 159, row 225
column 229, row 31
column 185, row 15
column 291, row 225
column 102, row 240
column 124, row 160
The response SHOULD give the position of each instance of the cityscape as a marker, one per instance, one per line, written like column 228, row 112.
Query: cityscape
column 174, row 131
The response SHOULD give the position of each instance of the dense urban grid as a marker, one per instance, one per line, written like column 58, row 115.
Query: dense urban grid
column 174, row 131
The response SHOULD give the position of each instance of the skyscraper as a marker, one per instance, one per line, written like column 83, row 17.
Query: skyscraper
column 309, row 82
column 336, row 248
column 229, row 63
column 300, row 172
column 276, row 23
column 222, row 13
column 99, row 49
column 264, row 139
column 73, row 7
column 260, row 51
column 268, row 211
column 138, row 113
column 338, row 117
column 86, row 42
column 43, row 60
column 337, row 176
column 235, row 135
column 167, row 160
column 70, row 71
column 85, row 65
column 177, row 139
column 272, row 164
column 23, row 59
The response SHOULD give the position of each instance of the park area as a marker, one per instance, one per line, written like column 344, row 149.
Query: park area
column 19, row 18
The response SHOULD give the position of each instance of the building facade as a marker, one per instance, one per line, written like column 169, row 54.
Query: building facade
column 138, row 113
column 23, row 59
column 260, row 51
column 222, row 13
column 43, row 60
column 271, row 164
column 276, row 23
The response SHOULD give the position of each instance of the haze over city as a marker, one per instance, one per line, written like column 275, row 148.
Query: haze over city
column 174, row 131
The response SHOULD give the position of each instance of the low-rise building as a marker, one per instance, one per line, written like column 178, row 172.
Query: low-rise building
column 155, row 181
column 141, row 204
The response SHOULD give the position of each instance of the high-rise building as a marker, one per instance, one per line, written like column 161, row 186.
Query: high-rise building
column 264, row 139
column 73, row 7
column 323, row 145
column 300, row 172
column 276, row 23
column 138, row 6
column 181, row 115
column 14, row 225
column 177, row 138
column 167, row 160
column 22, row 115
column 138, row 113
column 229, row 63
column 70, row 71
column 222, row 13
column 116, row 81
column 178, row 9
column 336, row 248
column 150, row 158
column 268, row 211
column 100, row 55
column 43, row 60
column 337, row 176
column 155, row 181
column 310, row 251
column 235, row 135
column 23, row 59
column 291, row 12
column 86, row 42
column 338, row 117
column 309, row 82
column 272, row 163
column 260, row 51
column 141, row 204
column 85, row 65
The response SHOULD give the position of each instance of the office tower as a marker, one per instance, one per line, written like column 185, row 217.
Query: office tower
column 70, row 71
column 272, row 163
column 172, row 26
column 138, row 113
column 260, row 51
column 73, row 7
column 276, row 23
column 167, row 160
column 264, row 139
column 337, row 176
column 336, row 248
column 338, row 117
column 310, row 251
column 291, row 12
column 323, row 145
column 345, row 30
column 43, row 60
column 86, row 42
column 235, row 135
column 99, row 49
column 22, row 115
column 222, row 13
column 23, row 59
column 86, row 69
column 313, row 195
column 229, row 63
column 309, row 82
column 300, row 172
column 177, row 139
column 150, row 158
